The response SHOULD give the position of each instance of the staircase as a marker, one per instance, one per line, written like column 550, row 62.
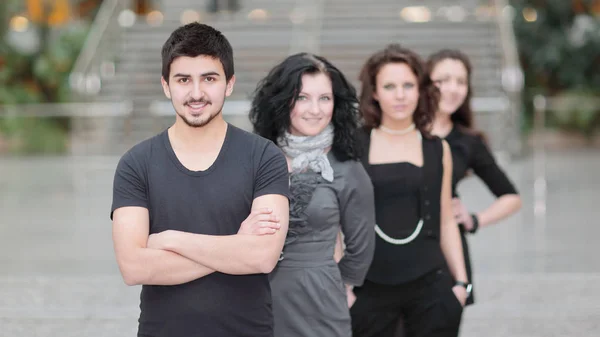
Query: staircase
column 350, row 38
column 353, row 29
column 263, row 32
column 258, row 44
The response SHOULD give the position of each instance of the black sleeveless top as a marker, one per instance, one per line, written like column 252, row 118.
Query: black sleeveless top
column 405, row 194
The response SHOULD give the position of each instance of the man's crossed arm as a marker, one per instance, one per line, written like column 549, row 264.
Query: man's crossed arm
column 174, row 257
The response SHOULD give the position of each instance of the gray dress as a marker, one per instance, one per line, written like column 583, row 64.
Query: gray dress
column 309, row 296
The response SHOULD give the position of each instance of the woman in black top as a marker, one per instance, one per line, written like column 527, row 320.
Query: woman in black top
column 417, row 236
column 450, row 70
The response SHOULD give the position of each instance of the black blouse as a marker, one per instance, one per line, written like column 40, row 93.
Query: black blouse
column 396, row 187
column 405, row 194
column 469, row 152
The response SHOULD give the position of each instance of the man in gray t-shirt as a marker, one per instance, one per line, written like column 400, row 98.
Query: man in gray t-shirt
column 200, row 211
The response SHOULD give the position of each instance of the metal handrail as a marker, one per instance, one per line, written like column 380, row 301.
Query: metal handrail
column 97, row 109
column 507, row 35
column 241, row 107
column 101, row 22
column 98, row 50
column 512, row 74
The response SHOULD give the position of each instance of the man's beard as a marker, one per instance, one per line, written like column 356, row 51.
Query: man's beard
column 200, row 121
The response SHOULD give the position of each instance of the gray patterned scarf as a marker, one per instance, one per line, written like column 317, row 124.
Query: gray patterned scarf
column 309, row 152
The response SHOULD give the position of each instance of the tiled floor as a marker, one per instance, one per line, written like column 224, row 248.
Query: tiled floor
column 535, row 276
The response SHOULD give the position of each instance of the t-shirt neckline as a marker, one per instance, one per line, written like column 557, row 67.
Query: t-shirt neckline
column 182, row 168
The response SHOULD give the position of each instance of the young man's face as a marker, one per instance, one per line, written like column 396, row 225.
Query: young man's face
column 197, row 88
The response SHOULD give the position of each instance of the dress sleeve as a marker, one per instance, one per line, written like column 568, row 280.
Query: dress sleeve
column 357, row 208
column 485, row 167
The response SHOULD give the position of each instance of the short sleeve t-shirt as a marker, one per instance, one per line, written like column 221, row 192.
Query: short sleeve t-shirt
column 211, row 202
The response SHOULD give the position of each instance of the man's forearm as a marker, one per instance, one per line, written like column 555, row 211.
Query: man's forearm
column 453, row 252
column 161, row 267
column 230, row 254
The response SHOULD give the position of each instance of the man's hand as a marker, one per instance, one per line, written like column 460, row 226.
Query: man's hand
column 159, row 240
column 260, row 222
column 461, row 214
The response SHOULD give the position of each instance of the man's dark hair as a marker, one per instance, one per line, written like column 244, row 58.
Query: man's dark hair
column 197, row 39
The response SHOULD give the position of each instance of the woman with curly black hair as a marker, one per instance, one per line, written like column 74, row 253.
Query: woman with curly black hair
column 418, row 272
column 307, row 107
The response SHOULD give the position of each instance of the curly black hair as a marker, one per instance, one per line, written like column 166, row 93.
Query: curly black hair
column 276, row 94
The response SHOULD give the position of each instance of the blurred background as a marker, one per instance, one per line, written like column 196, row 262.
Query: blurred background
column 80, row 84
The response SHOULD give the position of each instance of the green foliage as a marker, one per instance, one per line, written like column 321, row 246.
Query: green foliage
column 560, row 55
column 33, row 135
column 560, row 49
column 34, row 68
column 577, row 110
column 45, row 73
